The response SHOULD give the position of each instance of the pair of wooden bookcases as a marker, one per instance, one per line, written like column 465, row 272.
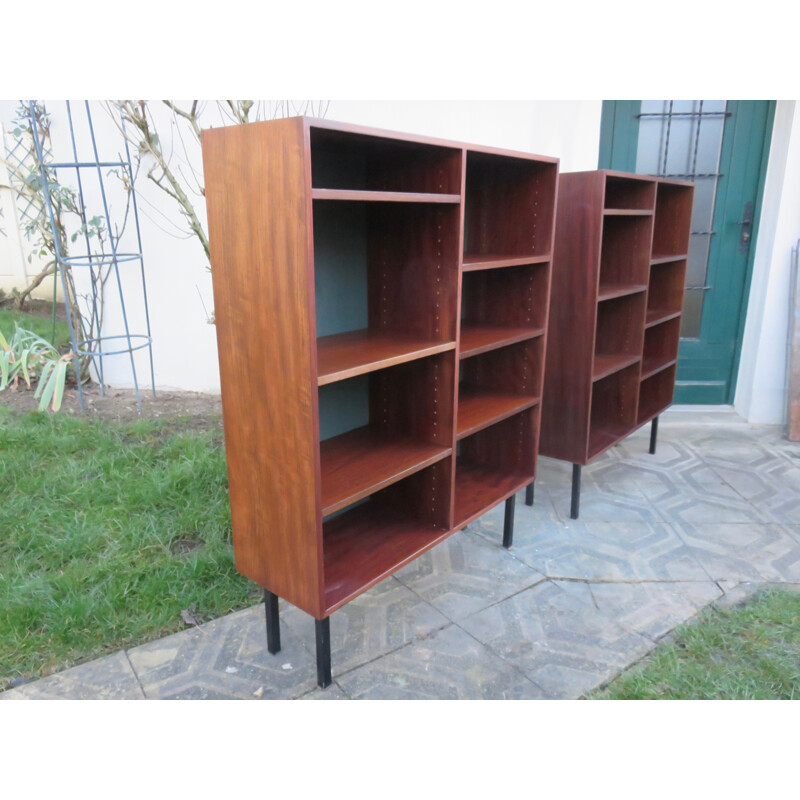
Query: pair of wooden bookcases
column 382, row 311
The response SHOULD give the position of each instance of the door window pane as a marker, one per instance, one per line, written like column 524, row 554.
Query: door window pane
column 683, row 139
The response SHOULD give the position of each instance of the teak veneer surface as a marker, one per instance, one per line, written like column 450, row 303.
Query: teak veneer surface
column 363, row 461
column 263, row 300
column 476, row 339
column 345, row 355
column 478, row 408
column 368, row 543
column 393, row 487
column 617, row 292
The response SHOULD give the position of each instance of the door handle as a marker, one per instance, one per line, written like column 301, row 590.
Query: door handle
column 747, row 224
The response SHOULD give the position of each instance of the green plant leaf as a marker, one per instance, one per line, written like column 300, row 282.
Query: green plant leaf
column 46, row 370
column 23, row 360
column 3, row 369
column 59, row 378
column 47, row 393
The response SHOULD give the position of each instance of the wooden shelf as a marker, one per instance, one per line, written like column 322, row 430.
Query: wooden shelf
column 476, row 339
column 476, row 261
column 665, row 259
column 479, row 408
column 655, row 316
column 606, row 364
column 608, row 291
column 345, row 355
column 410, row 243
column 358, row 463
column 655, row 393
column 360, row 195
column 479, row 487
column 650, row 366
column 368, row 543
column 627, row 212
column 604, row 436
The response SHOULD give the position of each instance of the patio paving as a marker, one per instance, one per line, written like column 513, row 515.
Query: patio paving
column 713, row 515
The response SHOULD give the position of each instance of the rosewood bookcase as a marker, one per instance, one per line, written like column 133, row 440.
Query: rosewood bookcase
column 381, row 308
column 619, row 267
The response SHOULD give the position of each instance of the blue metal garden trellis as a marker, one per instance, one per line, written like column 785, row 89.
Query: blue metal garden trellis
column 93, row 342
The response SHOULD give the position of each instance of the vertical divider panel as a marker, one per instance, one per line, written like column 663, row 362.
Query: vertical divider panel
column 459, row 295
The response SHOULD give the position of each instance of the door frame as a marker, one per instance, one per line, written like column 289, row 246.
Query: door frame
column 619, row 135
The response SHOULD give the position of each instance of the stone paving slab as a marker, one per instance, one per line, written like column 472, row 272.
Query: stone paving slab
column 653, row 609
column 466, row 573
column 605, row 551
column 712, row 517
column 449, row 665
column 742, row 552
column 225, row 659
column 560, row 641
column 108, row 678
column 382, row 619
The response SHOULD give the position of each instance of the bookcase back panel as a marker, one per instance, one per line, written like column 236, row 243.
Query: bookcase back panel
column 512, row 296
column 413, row 269
column 374, row 538
column 356, row 161
column 516, row 369
column 620, row 325
column 625, row 254
column 340, row 267
column 613, row 412
column 672, row 220
column 656, row 394
column 506, row 446
column 415, row 399
column 666, row 288
column 343, row 406
column 509, row 205
column 661, row 343
column 626, row 193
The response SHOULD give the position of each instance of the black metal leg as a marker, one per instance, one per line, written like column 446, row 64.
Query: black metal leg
column 508, row 525
column 576, row 491
column 529, row 495
column 653, row 435
column 273, row 622
column 323, row 652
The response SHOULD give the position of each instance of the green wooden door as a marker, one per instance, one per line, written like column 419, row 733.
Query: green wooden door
column 722, row 146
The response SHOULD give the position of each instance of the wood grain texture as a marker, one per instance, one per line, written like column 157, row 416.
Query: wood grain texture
column 566, row 397
column 369, row 543
column 618, row 271
column 263, row 297
column 364, row 461
column 345, row 355
column 478, row 408
column 477, row 339
column 374, row 196
column 391, row 484
column 509, row 209
column 655, row 394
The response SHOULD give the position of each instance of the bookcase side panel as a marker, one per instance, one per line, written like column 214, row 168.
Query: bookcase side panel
column 572, row 310
column 257, row 183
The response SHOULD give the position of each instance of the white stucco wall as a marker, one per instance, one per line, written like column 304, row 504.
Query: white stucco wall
column 178, row 284
column 761, row 385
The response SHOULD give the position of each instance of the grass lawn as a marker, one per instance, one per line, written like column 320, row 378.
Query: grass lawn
column 41, row 326
column 107, row 532
column 750, row 652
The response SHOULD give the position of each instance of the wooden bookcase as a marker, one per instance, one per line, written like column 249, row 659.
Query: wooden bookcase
column 381, row 308
column 619, row 271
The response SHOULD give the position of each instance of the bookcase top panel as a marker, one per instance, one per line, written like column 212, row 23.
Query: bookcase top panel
column 615, row 173
column 346, row 128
